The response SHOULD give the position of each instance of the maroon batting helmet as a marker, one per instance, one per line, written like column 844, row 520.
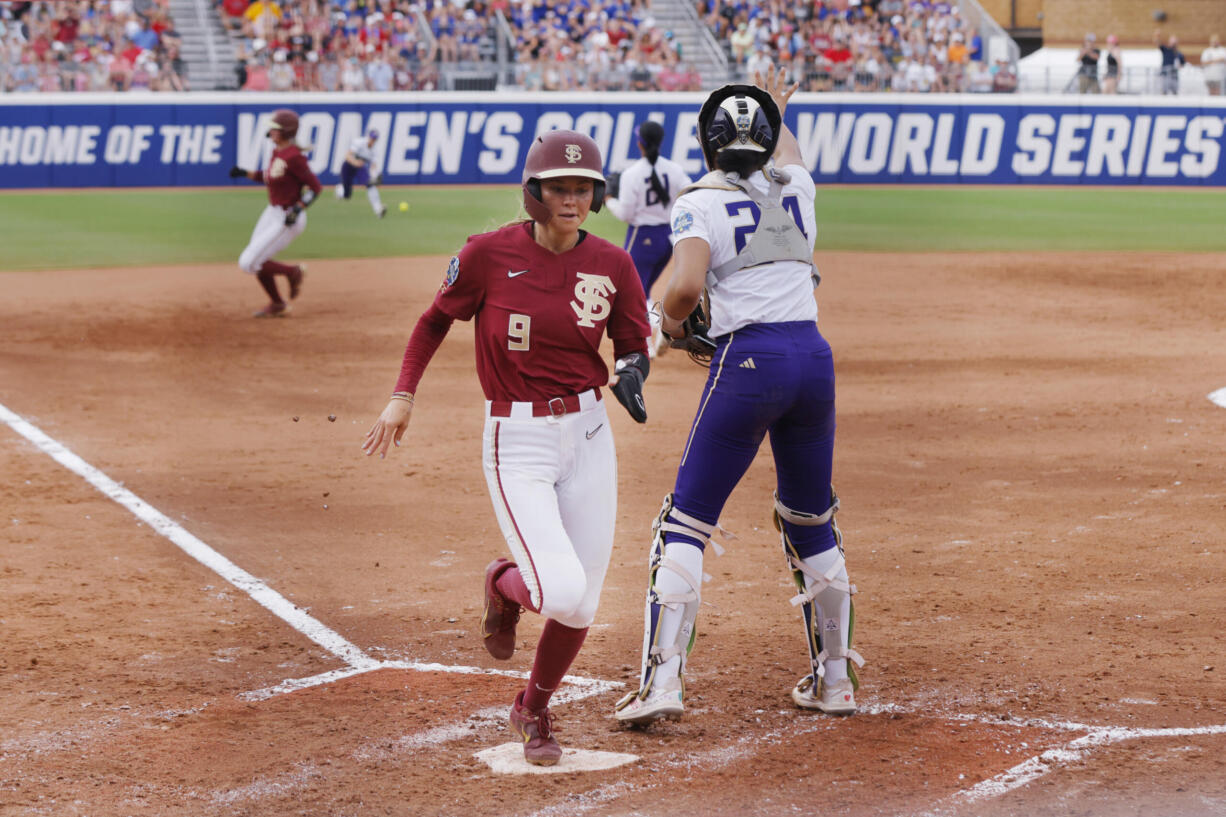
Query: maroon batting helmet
column 555, row 155
column 285, row 121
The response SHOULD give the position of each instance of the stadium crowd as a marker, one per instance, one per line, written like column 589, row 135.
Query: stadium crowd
column 596, row 45
column 89, row 45
column 349, row 45
column 859, row 45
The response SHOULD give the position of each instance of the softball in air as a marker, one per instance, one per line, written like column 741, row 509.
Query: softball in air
column 404, row 207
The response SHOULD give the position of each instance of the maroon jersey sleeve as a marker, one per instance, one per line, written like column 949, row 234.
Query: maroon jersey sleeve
column 300, row 169
column 463, row 289
column 628, row 318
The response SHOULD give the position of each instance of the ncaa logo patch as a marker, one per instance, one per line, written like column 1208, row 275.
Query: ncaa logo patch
column 683, row 221
column 573, row 153
column 453, row 271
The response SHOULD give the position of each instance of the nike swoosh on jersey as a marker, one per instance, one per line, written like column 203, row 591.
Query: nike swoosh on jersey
column 515, row 274
column 592, row 433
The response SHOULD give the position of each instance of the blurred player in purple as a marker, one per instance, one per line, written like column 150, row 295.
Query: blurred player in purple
column 644, row 199
column 359, row 168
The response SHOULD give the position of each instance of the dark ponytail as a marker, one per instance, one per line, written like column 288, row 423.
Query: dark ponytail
column 651, row 136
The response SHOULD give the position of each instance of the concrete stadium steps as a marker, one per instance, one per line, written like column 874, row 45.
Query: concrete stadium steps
column 207, row 48
column 679, row 17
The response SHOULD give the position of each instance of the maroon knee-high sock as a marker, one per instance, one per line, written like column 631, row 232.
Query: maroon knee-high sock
column 554, row 654
column 269, row 283
column 277, row 268
column 511, row 585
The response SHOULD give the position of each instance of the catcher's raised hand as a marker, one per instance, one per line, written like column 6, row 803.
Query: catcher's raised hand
column 774, row 82
column 389, row 428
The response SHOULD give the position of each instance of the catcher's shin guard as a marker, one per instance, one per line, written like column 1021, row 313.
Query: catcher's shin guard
column 824, row 597
column 670, row 615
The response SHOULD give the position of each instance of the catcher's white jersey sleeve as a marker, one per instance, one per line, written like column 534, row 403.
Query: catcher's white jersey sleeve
column 776, row 292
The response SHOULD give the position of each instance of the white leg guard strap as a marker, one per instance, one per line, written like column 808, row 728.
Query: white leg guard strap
column 824, row 598
column 673, row 597
column 674, row 521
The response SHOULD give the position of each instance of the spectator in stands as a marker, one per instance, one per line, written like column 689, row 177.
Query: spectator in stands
column 379, row 74
column 1004, row 80
column 1087, row 72
column 1172, row 60
column 280, row 73
column 233, row 12
column 1213, row 64
column 979, row 78
column 741, row 42
column 328, row 76
column 1115, row 60
column 257, row 74
column 352, row 77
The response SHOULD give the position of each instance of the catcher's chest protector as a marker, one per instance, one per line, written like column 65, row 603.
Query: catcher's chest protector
column 777, row 238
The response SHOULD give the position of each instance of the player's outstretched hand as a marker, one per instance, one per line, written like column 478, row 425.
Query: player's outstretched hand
column 237, row 172
column 774, row 82
column 389, row 428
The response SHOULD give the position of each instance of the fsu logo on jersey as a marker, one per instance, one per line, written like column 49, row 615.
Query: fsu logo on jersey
column 573, row 153
column 592, row 293
column 277, row 169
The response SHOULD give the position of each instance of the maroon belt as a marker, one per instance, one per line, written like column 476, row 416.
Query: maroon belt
column 542, row 408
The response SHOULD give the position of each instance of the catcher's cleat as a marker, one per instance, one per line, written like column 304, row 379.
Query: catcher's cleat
column 273, row 310
column 500, row 616
column 659, row 704
column 535, row 729
column 838, row 698
column 295, row 280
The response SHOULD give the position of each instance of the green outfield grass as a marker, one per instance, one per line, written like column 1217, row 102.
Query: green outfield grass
column 50, row 230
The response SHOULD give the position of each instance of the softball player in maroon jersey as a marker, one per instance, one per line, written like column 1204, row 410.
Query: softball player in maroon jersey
column 283, row 219
column 543, row 293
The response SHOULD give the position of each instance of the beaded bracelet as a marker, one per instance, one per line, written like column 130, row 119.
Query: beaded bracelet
column 403, row 395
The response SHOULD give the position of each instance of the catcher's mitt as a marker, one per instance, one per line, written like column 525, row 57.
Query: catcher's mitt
column 612, row 184
column 696, row 340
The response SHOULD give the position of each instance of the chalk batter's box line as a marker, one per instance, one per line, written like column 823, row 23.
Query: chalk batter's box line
column 358, row 662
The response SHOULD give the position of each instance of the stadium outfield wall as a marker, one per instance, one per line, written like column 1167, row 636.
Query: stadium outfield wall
column 136, row 140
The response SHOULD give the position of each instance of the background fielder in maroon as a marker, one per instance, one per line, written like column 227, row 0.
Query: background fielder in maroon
column 543, row 293
column 291, row 189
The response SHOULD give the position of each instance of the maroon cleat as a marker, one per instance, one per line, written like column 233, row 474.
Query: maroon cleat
column 500, row 616
column 273, row 310
column 295, row 280
column 535, row 729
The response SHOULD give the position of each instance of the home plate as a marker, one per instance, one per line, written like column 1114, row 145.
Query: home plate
column 509, row 759
column 1218, row 397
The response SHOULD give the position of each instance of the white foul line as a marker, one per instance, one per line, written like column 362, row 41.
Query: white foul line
column 356, row 661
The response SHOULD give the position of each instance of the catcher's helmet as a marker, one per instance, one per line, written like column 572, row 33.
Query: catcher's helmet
column 286, row 121
column 738, row 117
column 555, row 155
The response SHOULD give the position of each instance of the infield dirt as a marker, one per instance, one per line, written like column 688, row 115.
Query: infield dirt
column 1034, row 505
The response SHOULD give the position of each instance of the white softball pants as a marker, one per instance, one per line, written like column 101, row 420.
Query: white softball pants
column 269, row 237
column 553, row 481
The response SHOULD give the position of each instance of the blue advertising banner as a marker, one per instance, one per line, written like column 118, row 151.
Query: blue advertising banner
column 125, row 140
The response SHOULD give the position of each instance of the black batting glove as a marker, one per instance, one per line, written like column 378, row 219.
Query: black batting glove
column 237, row 172
column 631, row 371
column 291, row 215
